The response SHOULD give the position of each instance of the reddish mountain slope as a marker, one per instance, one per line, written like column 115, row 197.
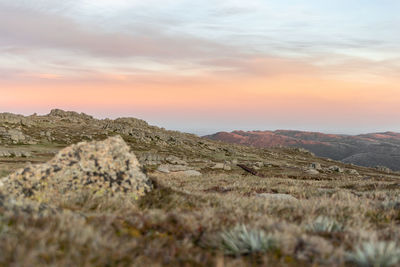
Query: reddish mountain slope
column 367, row 149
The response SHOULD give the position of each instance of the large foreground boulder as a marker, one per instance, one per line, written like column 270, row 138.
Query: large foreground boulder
column 102, row 167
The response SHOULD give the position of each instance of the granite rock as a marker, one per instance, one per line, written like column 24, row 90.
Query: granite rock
column 102, row 167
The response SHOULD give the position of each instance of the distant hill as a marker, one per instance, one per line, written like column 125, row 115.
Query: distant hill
column 370, row 150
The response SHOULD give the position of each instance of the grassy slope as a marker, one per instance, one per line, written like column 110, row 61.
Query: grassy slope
column 179, row 223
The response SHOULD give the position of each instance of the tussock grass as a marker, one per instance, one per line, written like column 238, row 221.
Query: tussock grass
column 374, row 254
column 325, row 225
column 244, row 240
column 170, row 225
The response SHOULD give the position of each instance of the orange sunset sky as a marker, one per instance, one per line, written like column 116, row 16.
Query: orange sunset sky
column 206, row 66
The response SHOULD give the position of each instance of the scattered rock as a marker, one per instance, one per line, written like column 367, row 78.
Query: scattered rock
column 175, row 160
column 316, row 166
column 104, row 167
column 163, row 168
column 227, row 167
column 280, row 197
column 16, row 136
column 259, row 164
column 166, row 168
column 352, row 172
column 15, row 153
column 5, row 153
column 383, row 169
column 151, row 159
column 222, row 166
column 218, row 166
column 335, row 168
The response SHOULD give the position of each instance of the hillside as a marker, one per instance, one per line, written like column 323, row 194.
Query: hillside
column 79, row 191
column 370, row 150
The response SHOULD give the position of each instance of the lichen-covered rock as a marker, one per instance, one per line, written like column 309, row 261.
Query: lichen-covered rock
column 103, row 167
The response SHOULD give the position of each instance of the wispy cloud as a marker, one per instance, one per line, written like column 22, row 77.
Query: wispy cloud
column 207, row 56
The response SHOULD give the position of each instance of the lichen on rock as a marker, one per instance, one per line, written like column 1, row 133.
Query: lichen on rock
column 103, row 167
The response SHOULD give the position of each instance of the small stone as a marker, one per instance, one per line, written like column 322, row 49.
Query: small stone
column 26, row 154
column 259, row 164
column 163, row 168
column 227, row 167
column 218, row 166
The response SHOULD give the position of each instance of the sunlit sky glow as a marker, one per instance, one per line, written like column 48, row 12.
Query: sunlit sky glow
column 206, row 66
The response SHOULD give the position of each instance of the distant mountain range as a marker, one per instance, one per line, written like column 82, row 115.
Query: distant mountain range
column 371, row 150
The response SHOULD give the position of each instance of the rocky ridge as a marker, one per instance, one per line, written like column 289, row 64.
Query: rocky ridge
column 157, row 149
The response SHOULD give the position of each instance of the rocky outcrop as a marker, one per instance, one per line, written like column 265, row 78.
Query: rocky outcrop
column 14, row 119
column 13, row 136
column 69, row 114
column 103, row 167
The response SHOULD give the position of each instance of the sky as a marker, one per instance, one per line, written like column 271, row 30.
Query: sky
column 204, row 66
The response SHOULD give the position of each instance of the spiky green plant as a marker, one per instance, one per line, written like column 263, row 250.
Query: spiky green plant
column 242, row 240
column 325, row 225
column 375, row 254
